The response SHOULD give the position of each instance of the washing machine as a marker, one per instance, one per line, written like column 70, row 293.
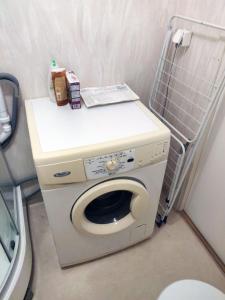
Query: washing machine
column 101, row 171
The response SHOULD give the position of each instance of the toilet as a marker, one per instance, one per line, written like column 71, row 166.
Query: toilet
column 191, row 290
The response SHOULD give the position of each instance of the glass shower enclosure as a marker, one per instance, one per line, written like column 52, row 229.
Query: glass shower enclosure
column 9, row 237
column 15, row 248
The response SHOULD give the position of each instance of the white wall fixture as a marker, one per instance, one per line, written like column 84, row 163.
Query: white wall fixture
column 187, row 89
column 182, row 38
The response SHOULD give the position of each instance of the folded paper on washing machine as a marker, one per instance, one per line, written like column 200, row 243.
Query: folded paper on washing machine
column 96, row 96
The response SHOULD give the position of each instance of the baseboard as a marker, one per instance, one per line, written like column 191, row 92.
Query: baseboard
column 204, row 241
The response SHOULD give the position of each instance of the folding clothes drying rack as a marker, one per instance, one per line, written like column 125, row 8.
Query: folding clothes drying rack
column 187, row 89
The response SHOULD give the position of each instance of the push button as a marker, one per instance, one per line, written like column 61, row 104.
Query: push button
column 130, row 159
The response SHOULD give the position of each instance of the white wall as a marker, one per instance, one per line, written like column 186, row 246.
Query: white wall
column 206, row 203
column 103, row 41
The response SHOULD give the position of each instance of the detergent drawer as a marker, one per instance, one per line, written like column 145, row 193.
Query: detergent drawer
column 64, row 172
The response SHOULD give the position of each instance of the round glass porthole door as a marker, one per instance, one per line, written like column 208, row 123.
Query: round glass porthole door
column 111, row 206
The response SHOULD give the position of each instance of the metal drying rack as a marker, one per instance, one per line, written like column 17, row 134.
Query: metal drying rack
column 185, row 100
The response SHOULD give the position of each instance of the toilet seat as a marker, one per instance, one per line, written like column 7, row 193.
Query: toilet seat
column 191, row 289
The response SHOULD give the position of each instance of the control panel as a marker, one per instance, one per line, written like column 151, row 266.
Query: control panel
column 79, row 170
column 108, row 164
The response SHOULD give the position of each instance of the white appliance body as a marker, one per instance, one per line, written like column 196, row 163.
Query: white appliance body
column 75, row 245
column 101, row 173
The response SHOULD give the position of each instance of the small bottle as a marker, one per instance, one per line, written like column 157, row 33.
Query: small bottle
column 51, row 91
column 57, row 84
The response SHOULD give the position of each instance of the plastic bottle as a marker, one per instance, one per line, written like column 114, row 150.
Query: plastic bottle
column 57, row 84
column 51, row 91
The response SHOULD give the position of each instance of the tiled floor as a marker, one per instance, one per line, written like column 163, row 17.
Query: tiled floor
column 137, row 273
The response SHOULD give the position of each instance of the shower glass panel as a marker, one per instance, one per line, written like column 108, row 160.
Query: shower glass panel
column 4, row 174
column 6, row 186
column 8, row 237
column 9, row 201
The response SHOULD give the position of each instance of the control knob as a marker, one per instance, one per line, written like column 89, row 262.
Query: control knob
column 112, row 165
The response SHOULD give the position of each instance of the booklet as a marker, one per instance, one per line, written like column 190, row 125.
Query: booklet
column 95, row 96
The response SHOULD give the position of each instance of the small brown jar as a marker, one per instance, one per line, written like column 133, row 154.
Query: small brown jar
column 60, row 88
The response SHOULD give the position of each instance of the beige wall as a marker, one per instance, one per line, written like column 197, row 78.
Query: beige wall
column 205, row 204
column 206, row 10
column 104, row 41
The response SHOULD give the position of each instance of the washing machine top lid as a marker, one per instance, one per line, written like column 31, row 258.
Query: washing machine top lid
column 61, row 128
column 191, row 290
column 55, row 129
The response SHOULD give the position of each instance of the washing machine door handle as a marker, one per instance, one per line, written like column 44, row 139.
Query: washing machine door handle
column 140, row 205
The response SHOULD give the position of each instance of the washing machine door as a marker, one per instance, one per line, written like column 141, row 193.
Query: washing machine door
column 111, row 206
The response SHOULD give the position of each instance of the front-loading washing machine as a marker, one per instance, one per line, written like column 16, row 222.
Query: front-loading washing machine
column 100, row 171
